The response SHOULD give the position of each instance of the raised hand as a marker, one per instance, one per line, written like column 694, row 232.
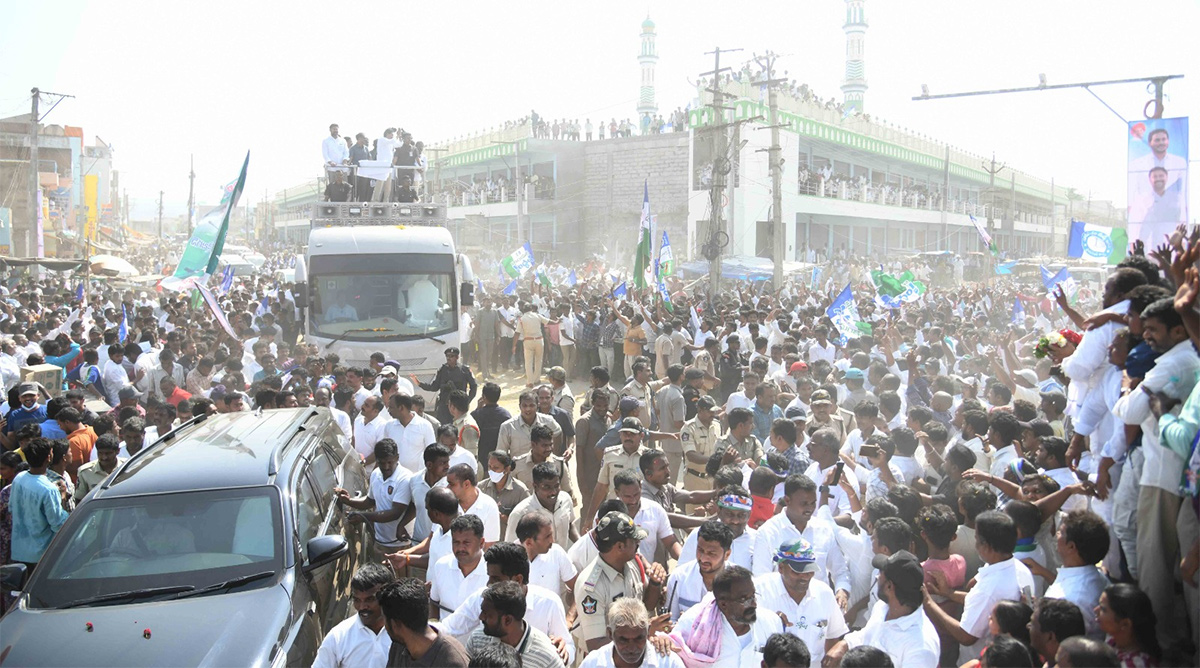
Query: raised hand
column 1189, row 290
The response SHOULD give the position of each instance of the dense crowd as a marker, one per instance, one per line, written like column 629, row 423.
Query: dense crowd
column 692, row 479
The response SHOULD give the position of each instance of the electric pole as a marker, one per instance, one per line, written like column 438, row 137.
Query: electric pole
column 35, row 187
column 992, row 170
column 720, row 167
column 160, row 223
column 778, row 242
column 191, row 191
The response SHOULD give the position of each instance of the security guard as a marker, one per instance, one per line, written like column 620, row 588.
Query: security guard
column 623, row 457
column 699, row 439
column 618, row 571
column 739, row 442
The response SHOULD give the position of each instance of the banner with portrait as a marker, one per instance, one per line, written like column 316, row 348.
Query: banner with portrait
column 1158, row 178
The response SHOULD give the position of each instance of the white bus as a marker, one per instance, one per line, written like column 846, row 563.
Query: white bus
column 383, row 277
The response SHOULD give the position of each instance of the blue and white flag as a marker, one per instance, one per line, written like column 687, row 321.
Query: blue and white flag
column 512, row 288
column 1004, row 268
column 1096, row 243
column 620, row 291
column 572, row 279
column 81, row 295
column 123, row 329
column 519, row 262
column 666, row 296
column 665, row 265
column 1063, row 277
column 479, row 286
column 816, row 277
column 844, row 314
column 263, row 306
column 1018, row 312
column 227, row 279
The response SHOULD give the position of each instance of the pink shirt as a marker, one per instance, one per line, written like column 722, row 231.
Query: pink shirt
column 954, row 568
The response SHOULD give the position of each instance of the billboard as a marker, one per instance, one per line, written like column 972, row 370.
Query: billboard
column 1158, row 164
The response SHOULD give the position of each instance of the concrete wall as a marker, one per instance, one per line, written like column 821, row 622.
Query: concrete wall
column 615, row 170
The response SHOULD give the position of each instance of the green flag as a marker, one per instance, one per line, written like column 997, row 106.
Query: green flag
column 641, row 261
column 203, row 251
column 886, row 284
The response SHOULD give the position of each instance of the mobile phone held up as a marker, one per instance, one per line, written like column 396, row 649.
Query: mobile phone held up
column 837, row 473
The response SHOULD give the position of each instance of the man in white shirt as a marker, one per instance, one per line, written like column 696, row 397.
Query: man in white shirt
column 334, row 151
column 386, row 482
column 368, row 429
column 1002, row 578
column 1087, row 365
column 628, row 625
column 411, row 433
column 1083, row 541
column 360, row 641
column 323, row 398
column 648, row 515
column 730, row 614
column 734, row 504
column 507, row 562
column 796, row 522
column 456, row 575
column 807, row 605
column 461, row 481
column 691, row 581
column 114, row 375
column 549, row 565
column 897, row 624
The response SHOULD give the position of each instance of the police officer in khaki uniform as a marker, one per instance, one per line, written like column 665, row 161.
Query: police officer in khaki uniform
column 618, row 571
column 699, row 440
column 740, row 440
column 623, row 457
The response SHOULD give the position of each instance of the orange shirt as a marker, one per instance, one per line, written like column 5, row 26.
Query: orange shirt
column 81, row 442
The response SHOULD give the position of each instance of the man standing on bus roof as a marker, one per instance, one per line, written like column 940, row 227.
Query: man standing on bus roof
column 451, row 376
column 333, row 149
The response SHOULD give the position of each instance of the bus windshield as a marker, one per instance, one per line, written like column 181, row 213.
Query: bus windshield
column 388, row 306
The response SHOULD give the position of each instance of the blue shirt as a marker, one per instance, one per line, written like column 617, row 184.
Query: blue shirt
column 20, row 416
column 37, row 514
column 51, row 430
column 763, row 420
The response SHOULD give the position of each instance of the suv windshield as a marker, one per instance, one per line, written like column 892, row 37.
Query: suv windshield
column 169, row 541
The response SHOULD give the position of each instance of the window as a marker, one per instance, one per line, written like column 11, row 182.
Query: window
column 309, row 511
column 383, row 297
column 189, row 538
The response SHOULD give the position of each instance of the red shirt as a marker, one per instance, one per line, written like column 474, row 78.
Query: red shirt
column 177, row 396
column 762, row 511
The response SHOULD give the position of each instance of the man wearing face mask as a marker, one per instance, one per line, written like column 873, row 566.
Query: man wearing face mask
column 628, row 625
column 725, row 630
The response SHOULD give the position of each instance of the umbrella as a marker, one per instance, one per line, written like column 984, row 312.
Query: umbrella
column 111, row 265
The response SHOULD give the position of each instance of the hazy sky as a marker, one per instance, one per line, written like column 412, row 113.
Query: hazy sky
column 162, row 80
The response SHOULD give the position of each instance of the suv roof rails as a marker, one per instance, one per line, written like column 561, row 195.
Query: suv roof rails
column 299, row 428
column 165, row 438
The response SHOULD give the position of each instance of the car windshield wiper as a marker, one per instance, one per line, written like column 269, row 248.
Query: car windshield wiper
column 356, row 330
column 232, row 582
column 131, row 595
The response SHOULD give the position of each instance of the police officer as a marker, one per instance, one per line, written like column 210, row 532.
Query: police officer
column 693, row 389
column 623, row 457
column 699, row 440
column 616, row 572
column 451, row 376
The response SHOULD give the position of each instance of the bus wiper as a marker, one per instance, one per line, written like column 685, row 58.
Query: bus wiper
column 131, row 595
column 356, row 330
column 230, row 583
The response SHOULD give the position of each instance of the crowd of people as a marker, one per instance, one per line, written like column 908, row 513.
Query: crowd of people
column 403, row 176
column 713, row 480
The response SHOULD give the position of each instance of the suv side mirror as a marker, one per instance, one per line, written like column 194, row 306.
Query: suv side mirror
column 12, row 576
column 324, row 549
column 301, row 295
column 467, row 294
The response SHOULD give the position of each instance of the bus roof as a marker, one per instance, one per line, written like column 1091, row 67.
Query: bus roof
column 376, row 240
